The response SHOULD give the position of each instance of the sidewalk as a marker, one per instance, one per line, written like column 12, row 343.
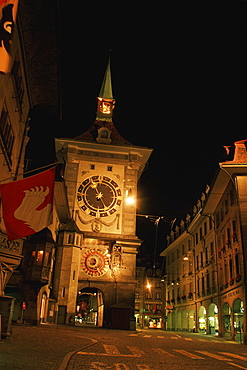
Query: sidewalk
column 206, row 337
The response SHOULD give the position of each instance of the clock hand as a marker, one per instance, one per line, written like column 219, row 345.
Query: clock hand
column 102, row 201
column 99, row 195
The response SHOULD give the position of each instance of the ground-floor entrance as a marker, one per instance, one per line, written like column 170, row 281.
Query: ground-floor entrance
column 90, row 307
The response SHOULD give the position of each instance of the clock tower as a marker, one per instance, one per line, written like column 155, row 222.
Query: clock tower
column 100, row 171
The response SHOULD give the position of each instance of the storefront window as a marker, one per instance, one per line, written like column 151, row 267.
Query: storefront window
column 227, row 320
column 238, row 310
column 202, row 320
column 213, row 323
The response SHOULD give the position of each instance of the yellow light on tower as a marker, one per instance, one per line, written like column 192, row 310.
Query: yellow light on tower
column 130, row 199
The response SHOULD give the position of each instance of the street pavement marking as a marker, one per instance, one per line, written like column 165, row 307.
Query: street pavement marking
column 162, row 352
column 136, row 351
column 133, row 335
column 146, row 336
column 174, row 337
column 221, row 358
column 234, row 355
column 188, row 339
column 111, row 350
column 160, row 336
column 188, row 354
column 240, row 367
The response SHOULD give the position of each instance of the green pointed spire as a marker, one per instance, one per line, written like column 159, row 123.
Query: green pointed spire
column 106, row 88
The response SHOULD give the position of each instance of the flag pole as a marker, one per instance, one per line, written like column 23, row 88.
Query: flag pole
column 36, row 169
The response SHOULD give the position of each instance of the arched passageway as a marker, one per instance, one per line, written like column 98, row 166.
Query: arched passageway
column 213, row 322
column 202, row 320
column 227, row 320
column 238, row 311
column 90, row 307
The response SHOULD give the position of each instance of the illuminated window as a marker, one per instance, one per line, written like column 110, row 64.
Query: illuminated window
column 39, row 257
column 105, row 107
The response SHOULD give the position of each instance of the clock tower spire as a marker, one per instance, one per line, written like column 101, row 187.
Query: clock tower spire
column 106, row 103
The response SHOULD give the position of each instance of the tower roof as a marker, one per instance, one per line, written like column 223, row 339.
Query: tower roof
column 92, row 134
column 103, row 122
column 106, row 87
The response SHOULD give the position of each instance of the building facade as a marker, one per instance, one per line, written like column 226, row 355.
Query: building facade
column 30, row 82
column 14, row 125
column 206, row 258
column 149, row 298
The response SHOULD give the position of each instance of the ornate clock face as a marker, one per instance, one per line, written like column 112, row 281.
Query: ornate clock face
column 99, row 196
column 95, row 262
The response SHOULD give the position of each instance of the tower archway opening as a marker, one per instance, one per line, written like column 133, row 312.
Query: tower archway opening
column 89, row 307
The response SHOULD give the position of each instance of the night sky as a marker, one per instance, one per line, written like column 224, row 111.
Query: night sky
column 180, row 83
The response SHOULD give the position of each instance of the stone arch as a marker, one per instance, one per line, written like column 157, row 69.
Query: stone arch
column 184, row 320
column 238, row 311
column 227, row 320
column 213, row 323
column 191, row 320
column 202, row 320
column 90, row 307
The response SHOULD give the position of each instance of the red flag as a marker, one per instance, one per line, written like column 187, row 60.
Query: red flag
column 27, row 204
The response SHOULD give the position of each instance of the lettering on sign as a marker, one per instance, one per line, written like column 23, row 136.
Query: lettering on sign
column 231, row 294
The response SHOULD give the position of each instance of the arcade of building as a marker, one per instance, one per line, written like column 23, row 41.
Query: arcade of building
column 206, row 258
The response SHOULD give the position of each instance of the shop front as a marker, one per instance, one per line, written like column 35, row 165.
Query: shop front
column 227, row 320
column 202, row 320
column 213, row 319
column 153, row 321
column 238, row 311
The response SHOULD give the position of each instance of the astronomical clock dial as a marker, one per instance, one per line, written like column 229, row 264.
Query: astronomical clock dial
column 99, row 196
column 95, row 262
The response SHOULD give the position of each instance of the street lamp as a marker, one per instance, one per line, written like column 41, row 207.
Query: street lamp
column 129, row 197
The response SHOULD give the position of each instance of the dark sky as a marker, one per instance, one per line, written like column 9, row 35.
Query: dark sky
column 180, row 83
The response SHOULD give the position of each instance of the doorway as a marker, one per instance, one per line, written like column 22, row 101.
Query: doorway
column 90, row 307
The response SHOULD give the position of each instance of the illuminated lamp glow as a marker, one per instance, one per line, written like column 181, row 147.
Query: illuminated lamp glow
column 129, row 197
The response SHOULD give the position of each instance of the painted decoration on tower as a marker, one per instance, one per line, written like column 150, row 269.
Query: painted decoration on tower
column 95, row 262
column 8, row 11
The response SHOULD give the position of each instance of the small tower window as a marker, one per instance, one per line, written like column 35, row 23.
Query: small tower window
column 104, row 135
column 109, row 168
